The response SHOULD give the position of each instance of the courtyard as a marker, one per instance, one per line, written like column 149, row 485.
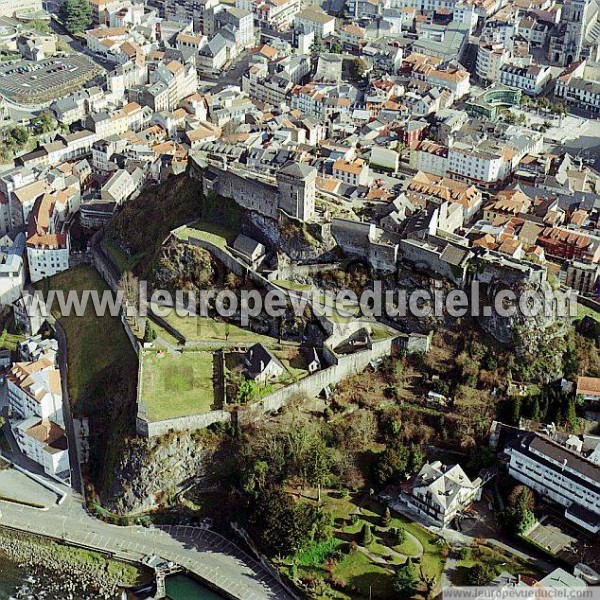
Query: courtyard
column 565, row 541
column 176, row 384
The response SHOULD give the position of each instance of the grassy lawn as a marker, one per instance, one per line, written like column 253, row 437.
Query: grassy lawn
column 94, row 343
column 295, row 366
column 10, row 341
column 177, row 385
column 124, row 261
column 358, row 571
column 217, row 234
column 380, row 332
column 358, row 574
column 292, row 285
column 205, row 329
column 583, row 311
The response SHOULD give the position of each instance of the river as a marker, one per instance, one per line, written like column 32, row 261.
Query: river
column 180, row 587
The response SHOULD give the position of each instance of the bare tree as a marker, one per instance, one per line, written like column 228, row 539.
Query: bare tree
column 130, row 285
column 428, row 582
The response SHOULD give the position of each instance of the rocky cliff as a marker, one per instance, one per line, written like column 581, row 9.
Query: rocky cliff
column 151, row 473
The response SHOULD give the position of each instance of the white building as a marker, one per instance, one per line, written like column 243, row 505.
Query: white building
column 490, row 57
column 47, row 246
column 277, row 14
column 559, row 474
column 16, row 7
column 353, row 172
column 485, row 164
column 579, row 86
column 262, row 365
column 45, row 442
column 429, row 157
column 36, row 347
column 131, row 116
column 121, row 186
column 12, row 269
column 34, row 390
column 531, row 79
column 439, row 492
column 314, row 19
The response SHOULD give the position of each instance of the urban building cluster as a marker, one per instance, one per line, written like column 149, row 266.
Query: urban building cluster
column 426, row 136
column 411, row 142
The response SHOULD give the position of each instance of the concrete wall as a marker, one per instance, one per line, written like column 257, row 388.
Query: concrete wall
column 250, row 194
column 301, row 271
column 427, row 258
column 104, row 265
column 311, row 385
column 157, row 428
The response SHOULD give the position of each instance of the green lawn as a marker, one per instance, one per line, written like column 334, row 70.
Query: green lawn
column 292, row 285
column 176, row 384
column 583, row 311
column 498, row 561
column 10, row 341
column 380, row 332
column 217, row 234
column 356, row 571
column 195, row 328
column 124, row 261
column 94, row 343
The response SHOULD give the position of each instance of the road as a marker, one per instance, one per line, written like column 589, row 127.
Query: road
column 206, row 554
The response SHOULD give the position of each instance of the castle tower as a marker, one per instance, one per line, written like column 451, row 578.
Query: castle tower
column 297, row 187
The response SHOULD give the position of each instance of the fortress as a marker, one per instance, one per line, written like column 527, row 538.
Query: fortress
column 292, row 190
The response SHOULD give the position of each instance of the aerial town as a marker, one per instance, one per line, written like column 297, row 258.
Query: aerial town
column 208, row 209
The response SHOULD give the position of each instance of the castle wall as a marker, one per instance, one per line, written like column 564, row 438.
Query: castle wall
column 248, row 193
column 427, row 258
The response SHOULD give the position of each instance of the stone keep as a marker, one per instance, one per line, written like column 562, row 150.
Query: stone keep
column 297, row 184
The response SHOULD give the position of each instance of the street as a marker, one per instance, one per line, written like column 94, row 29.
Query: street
column 204, row 553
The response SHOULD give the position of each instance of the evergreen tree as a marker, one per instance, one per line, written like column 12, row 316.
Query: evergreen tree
column 386, row 517
column 405, row 581
column 516, row 410
column 76, row 15
column 571, row 415
column 480, row 574
column 399, row 536
column 367, row 536
column 535, row 410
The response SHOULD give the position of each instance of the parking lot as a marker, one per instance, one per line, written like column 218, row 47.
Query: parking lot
column 31, row 82
column 566, row 541
column 18, row 487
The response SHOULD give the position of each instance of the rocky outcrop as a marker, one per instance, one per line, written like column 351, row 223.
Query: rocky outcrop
column 300, row 241
column 153, row 472
column 61, row 572
column 182, row 266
